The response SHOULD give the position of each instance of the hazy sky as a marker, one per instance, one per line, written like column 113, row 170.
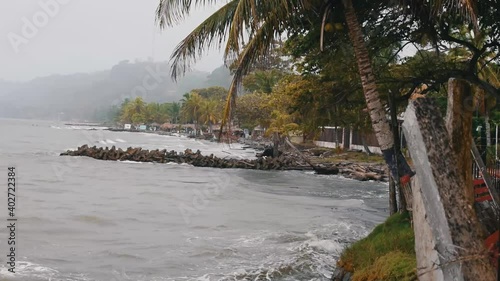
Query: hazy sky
column 44, row 37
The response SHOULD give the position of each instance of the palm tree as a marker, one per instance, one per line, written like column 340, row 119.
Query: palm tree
column 262, row 81
column 191, row 108
column 262, row 23
column 209, row 113
column 185, row 98
column 175, row 112
column 134, row 111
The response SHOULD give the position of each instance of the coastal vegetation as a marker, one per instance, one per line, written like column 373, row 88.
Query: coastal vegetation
column 387, row 253
column 356, row 64
column 250, row 31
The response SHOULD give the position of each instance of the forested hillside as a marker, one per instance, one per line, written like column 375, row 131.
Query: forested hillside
column 91, row 96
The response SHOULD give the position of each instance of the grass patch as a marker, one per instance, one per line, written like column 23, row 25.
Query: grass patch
column 388, row 253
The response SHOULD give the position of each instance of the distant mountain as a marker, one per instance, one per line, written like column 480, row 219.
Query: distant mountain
column 88, row 96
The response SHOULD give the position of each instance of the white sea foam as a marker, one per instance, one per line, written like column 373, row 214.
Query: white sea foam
column 134, row 162
column 26, row 268
column 205, row 277
column 120, row 140
column 325, row 245
column 110, row 141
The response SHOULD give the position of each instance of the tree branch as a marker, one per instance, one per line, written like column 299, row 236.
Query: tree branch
column 446, row 36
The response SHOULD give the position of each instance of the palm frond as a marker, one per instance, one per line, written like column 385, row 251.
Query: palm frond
column 431, row 10
column 230, row 24
column 170, row 12
column 248, row 17
column 323, row 23
column 468, row 9
column 258, row 46
column 245, row 19
column 213, row 30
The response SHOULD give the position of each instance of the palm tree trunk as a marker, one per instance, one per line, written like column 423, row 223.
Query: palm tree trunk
column 375, row 107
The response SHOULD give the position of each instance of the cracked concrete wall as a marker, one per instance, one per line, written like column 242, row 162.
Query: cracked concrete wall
column 427, row 256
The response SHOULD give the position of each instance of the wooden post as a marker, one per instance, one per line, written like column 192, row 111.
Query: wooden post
column 459, row 125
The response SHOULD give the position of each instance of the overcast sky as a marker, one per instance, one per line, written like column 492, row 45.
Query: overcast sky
column 86, row 35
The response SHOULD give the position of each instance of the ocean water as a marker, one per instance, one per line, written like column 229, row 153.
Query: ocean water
column 85, row 219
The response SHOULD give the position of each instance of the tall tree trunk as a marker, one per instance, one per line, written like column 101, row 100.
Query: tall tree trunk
column 373, row 102
column 276, row 144
column 458, row 122
column 397, row 150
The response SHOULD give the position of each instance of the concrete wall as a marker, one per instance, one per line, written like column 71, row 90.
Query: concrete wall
column 327, row 144
column 350, row 145
column 373, row 149
column 425, row 246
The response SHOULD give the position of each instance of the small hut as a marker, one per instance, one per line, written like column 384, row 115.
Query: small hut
column 168, row 127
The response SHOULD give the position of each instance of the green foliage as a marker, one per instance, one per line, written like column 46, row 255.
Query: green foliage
column 252, row 110
column 215, row 92
column 210, row 112
column 393, row 266
column 191, row 107
column 282, row 123
column 174, row 110
column 203, row 106
column 389, row 250
column 329, row 91
column 262, row 81
column 133, row 111
column 138, row 112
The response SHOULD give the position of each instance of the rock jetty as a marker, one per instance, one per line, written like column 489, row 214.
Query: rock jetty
column 285, row 161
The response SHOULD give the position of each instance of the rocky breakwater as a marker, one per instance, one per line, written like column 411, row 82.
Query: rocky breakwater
column 188, row 157
column 285, row 161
